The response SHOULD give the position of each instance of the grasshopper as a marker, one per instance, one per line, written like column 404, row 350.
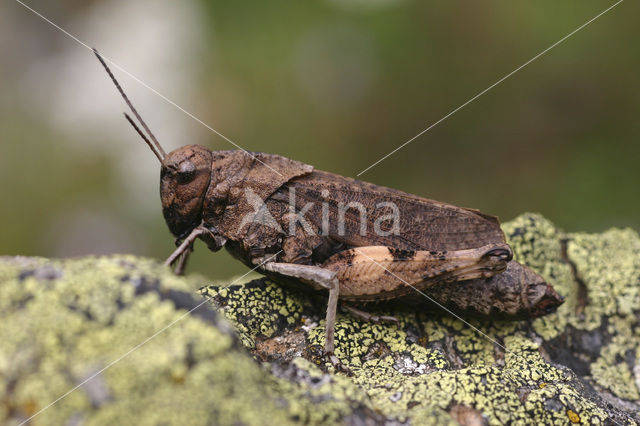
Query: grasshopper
column 356, row 241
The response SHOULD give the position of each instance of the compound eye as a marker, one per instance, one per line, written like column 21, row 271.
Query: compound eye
column 186, row 172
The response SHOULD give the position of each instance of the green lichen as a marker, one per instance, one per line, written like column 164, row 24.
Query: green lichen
column 608, row 266
column 539, row 245
column 408, row 381
column 257, row 310
column 430, row 363
column 65, row 320
column 612, row 372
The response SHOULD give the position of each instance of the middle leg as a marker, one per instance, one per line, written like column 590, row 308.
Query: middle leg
column 320, row 278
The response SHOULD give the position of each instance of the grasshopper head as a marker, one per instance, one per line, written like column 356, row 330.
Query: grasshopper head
column 184, row 179
column 185, row 173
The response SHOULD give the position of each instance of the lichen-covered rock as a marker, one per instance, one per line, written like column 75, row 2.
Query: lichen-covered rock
column 161, row 355
column 578, row 365
column 109, row 341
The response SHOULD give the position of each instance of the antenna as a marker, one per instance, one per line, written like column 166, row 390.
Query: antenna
column 146, row 139
column 158, row 151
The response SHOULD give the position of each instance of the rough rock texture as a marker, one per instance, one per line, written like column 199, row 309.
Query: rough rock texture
column 64, row 321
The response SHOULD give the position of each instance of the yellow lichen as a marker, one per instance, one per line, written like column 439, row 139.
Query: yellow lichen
column 573, row 416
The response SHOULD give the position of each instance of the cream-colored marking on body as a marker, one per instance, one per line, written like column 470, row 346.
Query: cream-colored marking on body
column 362, row 271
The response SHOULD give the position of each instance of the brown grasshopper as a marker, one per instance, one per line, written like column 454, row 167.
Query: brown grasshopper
column 357, row 241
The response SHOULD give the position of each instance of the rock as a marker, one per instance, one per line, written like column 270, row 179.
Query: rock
column 151, row 352
column 108, row 340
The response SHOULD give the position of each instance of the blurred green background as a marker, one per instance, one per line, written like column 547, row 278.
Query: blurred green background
column 334, row 83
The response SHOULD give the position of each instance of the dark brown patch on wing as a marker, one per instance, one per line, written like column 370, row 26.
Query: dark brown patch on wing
column 401, row 254
column 345, row 256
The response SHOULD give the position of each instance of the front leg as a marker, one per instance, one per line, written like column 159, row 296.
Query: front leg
column 320, row 278
column 181, row 254
column 182, row 261
column 185, row 247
